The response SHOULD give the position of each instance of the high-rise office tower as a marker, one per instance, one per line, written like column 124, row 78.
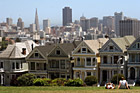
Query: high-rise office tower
column 129, row 27
column 67, row 15
column 118, row 17
column 37, row 21
column 32, row 27
column 83, row 22
column 20, row 24
column 108, row 24
column 9, row 21
column 94, row 22
column 46, row 26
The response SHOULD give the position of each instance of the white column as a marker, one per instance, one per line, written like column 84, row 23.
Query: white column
column 136, row 72
column 100, row 76
column 85, row 74
column 74, row 76
column 109, row 75
column 128, row 72
column 112, row 59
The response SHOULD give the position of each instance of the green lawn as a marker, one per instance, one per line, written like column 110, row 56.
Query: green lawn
column 56, row 89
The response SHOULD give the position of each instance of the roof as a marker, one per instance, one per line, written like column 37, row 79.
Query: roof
column 96, row 44
column 15, row 50
column 124, row 41
column 67, row 47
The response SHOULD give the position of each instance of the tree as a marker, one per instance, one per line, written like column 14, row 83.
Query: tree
column 26, row 79
column 114, row 78
column 90, row 80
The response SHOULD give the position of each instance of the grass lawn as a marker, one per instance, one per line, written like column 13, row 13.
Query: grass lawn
column 55, row 89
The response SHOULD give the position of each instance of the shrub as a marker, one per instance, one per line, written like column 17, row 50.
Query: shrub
column 26, row 79
column 75, row 82
column 42, row 82
column 59, row 82
column 38, row 82
column 138, row 83
column 90, row 80
column 114, row 79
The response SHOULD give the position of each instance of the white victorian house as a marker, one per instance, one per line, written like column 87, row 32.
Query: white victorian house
column 12, row 61
column 110, row 53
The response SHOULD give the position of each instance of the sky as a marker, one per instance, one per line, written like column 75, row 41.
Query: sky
column 52, row 9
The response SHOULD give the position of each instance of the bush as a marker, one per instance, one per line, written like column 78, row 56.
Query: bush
column 42, row 82
column 26, row 80
column 59, row 82
column 114, row 79
column 138, row 83
column 75, row 82
column 90, row 80
column 38, row 82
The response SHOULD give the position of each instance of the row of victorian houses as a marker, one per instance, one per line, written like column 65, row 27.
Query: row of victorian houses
column 102, row 58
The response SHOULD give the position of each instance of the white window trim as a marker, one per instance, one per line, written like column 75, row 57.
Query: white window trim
column 82, row 48
column 19, row 62
column 91, row 62
column 78, row 61
column 35, row 56
column 3, row 64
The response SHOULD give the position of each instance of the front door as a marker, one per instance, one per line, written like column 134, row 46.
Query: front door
column 104, row 75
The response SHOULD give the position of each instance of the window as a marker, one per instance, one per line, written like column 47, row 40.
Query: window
column 62, row 64
column 84, row 50
column 45, row 66
column 58, row 52
column 32, row 65
column 1, row 64
column 78, row 61
column 88, row 61
column 105, row 59
column 94, row 62
column 36, row 55
column 88, row 73
column 17, row 65
column 111, row 48
column 54, row 63
column 133, row 57
column 116, row 59
column 121, row 71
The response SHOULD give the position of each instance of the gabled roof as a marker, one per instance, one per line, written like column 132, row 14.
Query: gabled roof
column 138, row 39
column 124, row 41
column 15, row 50
column 96, row 44
column 67, row 47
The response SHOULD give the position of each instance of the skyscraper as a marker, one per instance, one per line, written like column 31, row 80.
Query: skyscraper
column 67, row 15
column 20, row 24
column 37, row 21
column 130, row 27
column 9, row 21
column 94, row 22
column 118, row 17
column 46, row 26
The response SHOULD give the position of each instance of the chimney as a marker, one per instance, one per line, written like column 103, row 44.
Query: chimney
column 32, row 46
column 24, row 51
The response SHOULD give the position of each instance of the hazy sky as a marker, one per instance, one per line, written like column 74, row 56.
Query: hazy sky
column 52, row 9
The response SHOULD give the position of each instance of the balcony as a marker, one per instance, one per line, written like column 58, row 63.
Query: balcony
column 111, row 66
column 133, row 64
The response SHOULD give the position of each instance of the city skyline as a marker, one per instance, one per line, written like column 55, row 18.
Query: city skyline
column 53, row 9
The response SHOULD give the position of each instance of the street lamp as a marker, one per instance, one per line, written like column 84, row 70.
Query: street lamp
column 118, row 69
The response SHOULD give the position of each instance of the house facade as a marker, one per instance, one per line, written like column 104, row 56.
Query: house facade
column 12, row 61
column 86, row 58
column 55, row 59
column 133, row 65
column 113, row 57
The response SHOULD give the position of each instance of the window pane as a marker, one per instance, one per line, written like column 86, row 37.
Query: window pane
column 62, row 64
column 88, row 60
column 32, row 65
column 17, row 65
column 88, row 73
